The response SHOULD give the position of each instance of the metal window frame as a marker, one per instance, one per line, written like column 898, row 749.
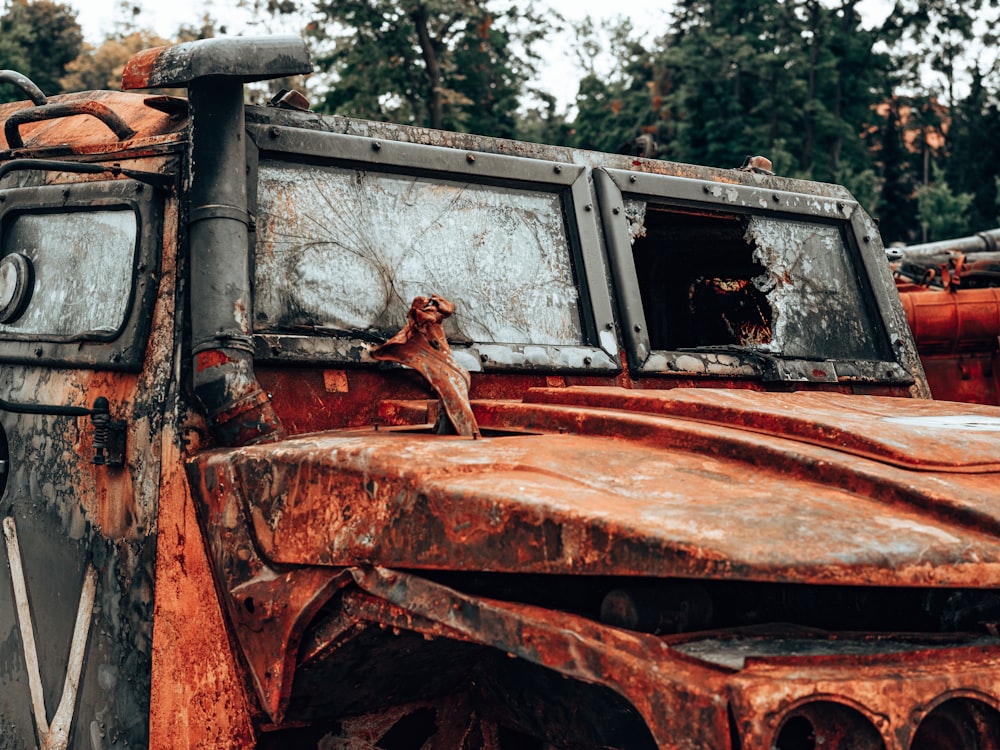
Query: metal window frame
column 599, row 351
column 123, row 349
column 895, row 365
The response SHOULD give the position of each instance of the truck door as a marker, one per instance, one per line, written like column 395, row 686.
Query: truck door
column 85, row 352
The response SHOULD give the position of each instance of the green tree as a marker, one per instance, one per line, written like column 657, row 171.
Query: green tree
column 716, row 57
column 896, row 208
column 453, row 64
column 619, row 111
column 38, row 38
column 973, row 158
column 943, row 213
column 793, row 78
column 996, row 186
column 539, row 120
column 931, row 39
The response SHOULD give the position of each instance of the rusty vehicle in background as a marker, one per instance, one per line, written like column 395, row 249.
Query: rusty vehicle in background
column 951, row 293
column 326, row 433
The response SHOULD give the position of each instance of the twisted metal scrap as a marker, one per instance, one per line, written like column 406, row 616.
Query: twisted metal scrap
column 421, row 344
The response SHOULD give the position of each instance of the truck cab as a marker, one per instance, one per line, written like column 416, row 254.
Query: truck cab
column 328, row 433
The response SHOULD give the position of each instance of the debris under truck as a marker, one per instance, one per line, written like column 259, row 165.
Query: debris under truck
column 325, row 433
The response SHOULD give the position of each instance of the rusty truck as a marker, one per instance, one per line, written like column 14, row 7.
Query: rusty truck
column 336, row 434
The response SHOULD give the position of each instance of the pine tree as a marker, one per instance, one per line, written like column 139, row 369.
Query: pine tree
column 452, row 64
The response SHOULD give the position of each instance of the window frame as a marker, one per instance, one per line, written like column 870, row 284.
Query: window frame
column 616, row 186
column 124, row 348
column 599, row 349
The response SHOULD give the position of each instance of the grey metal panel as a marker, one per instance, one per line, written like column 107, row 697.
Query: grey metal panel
column 731, row 196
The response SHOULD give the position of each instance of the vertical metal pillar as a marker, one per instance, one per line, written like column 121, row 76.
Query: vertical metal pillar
column 238, row 410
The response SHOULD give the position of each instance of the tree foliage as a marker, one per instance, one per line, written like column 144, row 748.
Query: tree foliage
column 616, row 111
column 38, row 38
column 943, row 213
column 454, row 64
column 101, row 67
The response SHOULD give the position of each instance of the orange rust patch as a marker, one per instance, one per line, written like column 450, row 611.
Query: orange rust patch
column 211, row 358
column 335, row 381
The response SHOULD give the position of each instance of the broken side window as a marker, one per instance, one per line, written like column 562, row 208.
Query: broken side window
column 775, row 285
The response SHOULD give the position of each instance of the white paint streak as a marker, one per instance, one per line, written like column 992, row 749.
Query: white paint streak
column 27, row 631
column 975, row 422
column 56, row 735
column 903, row 524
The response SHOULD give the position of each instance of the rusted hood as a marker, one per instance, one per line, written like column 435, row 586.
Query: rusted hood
column 149, row 118
column 723, row 484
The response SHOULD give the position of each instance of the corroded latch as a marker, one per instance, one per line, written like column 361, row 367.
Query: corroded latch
column 422, row 345
column 109, row 435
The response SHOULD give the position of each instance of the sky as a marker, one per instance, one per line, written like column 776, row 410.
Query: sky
column 559, row 75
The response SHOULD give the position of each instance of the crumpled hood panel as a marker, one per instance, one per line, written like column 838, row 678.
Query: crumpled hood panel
column 617, row 491
column 914, row 433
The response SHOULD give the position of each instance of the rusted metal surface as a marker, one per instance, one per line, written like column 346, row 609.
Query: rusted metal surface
column 968, row 377
column 717, row 535
column 545, row 502
column 114, row 123
column 672, row 683
column 913, row 434
column 950, row 323
column 198, row 693
column 551, row 497
column 421, row 344
column 78, row 522
column 270, row 608
column 958, row 336
column 76, row 132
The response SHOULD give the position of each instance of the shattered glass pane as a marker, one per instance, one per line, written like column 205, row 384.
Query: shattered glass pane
column 818, row 309
column 83, row 268
column 348, row 250
column 635, row 215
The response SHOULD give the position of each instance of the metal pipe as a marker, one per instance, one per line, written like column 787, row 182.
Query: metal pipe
column 12, row 128
column 983, row 242
column 25, row 84
column 214, row 70
column 238, row 410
